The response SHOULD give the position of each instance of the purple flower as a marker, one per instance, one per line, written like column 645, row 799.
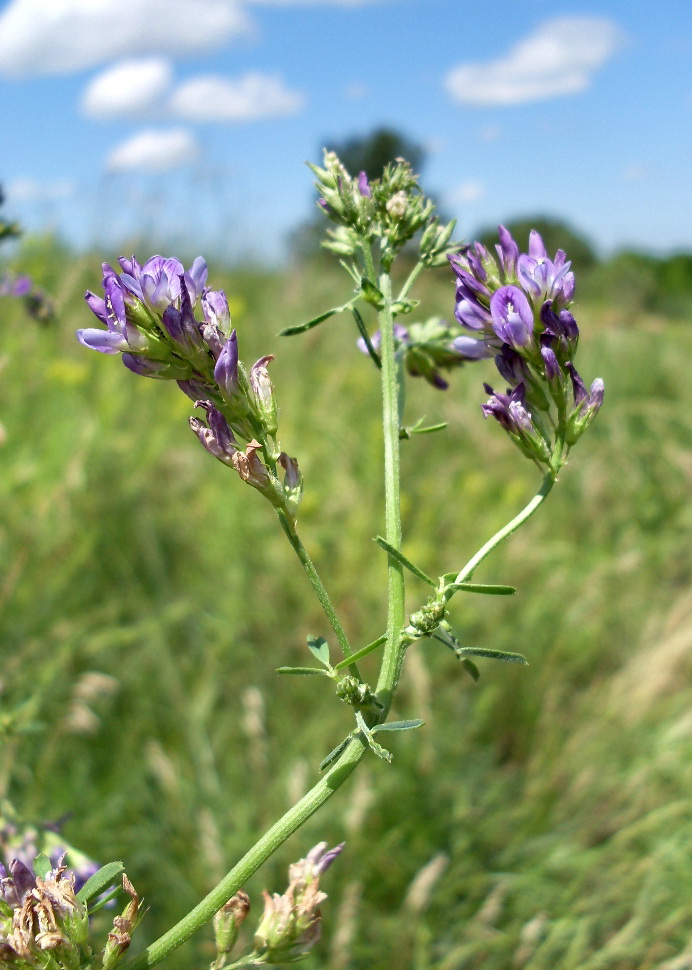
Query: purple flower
column 469, row 348
column 401, row 336
column 512, row 317
column 226, row 369
column 563, row 326
column 508, row 253
column 216, row 436
column 510, row 411
column 542, row 278
column 364, row 185
column 586, row 405
column 14, row 285
column 157, row 283
column 217, row 320
column 511, row 366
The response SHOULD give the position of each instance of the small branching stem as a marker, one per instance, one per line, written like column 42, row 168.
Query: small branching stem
column 317, row 584
column 252, row 860
column 467, row 572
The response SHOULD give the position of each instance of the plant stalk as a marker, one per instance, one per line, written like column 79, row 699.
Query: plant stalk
column 467, row 572
column 252, row 860
column 317, row 585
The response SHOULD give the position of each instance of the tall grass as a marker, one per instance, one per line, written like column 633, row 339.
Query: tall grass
column 541, row 819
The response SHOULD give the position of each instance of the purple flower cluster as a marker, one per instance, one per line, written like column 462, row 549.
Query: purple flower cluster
column 516, row 306
column 149, row 315
column 148, row 312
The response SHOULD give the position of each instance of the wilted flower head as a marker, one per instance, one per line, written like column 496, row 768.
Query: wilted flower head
column 42, row 923
column 290, row 925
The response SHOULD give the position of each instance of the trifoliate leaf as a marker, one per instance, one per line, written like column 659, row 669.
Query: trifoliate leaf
column 319, row 648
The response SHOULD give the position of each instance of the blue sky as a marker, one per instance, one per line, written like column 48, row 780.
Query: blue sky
column 190, row 120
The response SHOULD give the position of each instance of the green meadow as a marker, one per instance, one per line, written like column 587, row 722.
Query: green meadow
column 542, row 817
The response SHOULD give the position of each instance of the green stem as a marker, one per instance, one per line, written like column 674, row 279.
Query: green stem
column 393, row 652
column 252, row 860
column 511, row 527
column 316, row 583
column 410, row 280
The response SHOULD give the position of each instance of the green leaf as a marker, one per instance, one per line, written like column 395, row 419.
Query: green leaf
column 430, row 428
column 363, row 652
column 95, row 885
column 42, row 865
column 404, row 306
column 104, row 900
column 334, row 754
column 307, row 671
column 319, row 648
column 400, row 557
column 320, row 318
column 487, row 589
column 398, row 726
column 470, row 668
column 372, row 743
column 371, row 294
column 363, row 331
column 512, row 658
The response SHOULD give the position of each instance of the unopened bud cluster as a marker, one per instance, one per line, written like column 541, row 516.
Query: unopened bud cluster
column 290, row 924
column 391, row 209
column 517, row 308
column 149, row 314
column 37, row 303
column 431, row 347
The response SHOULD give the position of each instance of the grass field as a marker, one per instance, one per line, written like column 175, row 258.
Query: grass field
column 541, row 819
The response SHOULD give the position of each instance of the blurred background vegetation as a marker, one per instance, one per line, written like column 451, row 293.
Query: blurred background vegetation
column 542, row 818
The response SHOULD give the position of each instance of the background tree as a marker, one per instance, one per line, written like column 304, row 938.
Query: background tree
column 556, row 235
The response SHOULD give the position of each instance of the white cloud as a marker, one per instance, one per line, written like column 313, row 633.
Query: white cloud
column 154, row 150
column 213, row 98
column 470, row 191
column 558, row 58
column 130, row 87
column 61, row 36
column 355, row 91
column 636, row 172
column 31, row 190
column 490, row 133
column 314, row 3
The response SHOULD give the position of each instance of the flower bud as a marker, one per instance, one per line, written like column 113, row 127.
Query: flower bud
column 265, row 399
column 120, row 936
column 227, row 922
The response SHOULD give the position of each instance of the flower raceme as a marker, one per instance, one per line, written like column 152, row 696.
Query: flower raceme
column 516, row 307
column 148, row 312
